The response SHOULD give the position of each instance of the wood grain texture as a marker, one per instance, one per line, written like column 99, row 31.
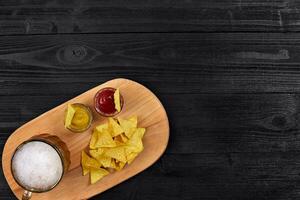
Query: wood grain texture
column 139, row 101
column 232, row 101
column 92, row 16
column 191, row 63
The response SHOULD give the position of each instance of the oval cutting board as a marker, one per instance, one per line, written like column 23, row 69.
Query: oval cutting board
column 138, row 101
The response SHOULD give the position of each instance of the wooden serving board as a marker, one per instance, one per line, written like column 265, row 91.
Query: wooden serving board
column 138, row 100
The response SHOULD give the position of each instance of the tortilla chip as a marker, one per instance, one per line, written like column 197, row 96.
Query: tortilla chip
column 123, row 137
column 93, row 140
column 105, row 161
column 135, row 143
column 96, row 152
column 105, row 139
column 120, row 166
column 131, row 156
column 129, row 125
column 117, row 100
column 117, row 153
column 88, row 163
column 113, row 164
column 101, row 127
column 115, row 127
column 69, row 116
column 84, row 158
column 97, row 174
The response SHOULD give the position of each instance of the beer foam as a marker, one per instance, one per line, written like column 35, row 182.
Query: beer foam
column 37, row 165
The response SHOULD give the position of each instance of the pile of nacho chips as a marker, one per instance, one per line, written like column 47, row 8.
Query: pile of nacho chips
column 112, row 146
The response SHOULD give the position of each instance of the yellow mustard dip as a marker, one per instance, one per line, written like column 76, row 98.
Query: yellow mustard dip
column 80, row 117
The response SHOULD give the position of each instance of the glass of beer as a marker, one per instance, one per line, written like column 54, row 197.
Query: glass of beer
column 39, row 164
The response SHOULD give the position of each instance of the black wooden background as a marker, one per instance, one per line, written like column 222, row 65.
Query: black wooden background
column 227, row 72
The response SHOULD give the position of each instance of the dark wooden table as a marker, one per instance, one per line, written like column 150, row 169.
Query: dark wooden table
column 227, row 72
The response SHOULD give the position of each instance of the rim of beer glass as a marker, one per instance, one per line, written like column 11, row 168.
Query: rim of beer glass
column 32, row 189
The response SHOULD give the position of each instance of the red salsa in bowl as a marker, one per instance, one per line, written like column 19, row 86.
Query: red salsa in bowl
column 104, row 102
